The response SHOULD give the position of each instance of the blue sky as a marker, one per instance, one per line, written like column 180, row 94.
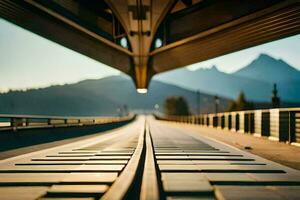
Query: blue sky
column 30, row 61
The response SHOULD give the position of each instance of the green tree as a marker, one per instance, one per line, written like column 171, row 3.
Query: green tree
column 240, row 104
column 176, row 106
column 232, row 106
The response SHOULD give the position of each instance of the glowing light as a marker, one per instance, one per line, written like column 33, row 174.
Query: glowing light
column 124, row 42
column 142, row 90
column 158, row 43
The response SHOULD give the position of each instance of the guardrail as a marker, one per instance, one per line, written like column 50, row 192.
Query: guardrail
column 15, row 122
column 282, row 124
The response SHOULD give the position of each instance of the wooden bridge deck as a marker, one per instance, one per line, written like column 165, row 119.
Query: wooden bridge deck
column 146, row 159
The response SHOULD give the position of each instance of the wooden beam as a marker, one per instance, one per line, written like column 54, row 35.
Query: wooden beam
column 65, row 32
column 252, row 30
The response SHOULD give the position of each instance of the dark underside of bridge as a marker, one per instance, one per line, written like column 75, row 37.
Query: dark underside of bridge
column 156, row 35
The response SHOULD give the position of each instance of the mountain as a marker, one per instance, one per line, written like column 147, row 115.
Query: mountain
column 105, row 96
column 98, row 97
column 255, row 79
column 214, row 82
column 268, row 69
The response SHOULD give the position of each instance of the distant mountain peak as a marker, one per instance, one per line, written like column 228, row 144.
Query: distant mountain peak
column 214, row 68
column 264, row 56
column 268, row 69
column 264, row 59
column 267, row 61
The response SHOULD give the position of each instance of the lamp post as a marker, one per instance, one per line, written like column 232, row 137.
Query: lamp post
column 198, row 102
column 119, row 111
column 156, row 107
column 217, row 102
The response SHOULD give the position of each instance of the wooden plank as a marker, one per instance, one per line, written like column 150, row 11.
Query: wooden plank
column 60, row 159
column 107, row 178
column 110, row 158
column 202, row 158
column 259, row 192
column 16, row 178
column 63, row 168
column 67, row 198
column 22, row 192
column 78, row 189
column 98, row 162
column 180, row 183
column 52, row 178
column 114, row 154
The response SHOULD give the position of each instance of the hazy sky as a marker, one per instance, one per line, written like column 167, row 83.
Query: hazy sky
column 287, row 49
column 28, row 60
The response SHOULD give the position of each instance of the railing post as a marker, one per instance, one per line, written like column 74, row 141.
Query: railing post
column 26, row 121
column 292, row 126
column 215, row 120
column 18, row 122
column 258, row 123
column 274, row 124
column 242, row 122
column 200, row 119
column 265, row 123
column 229, row 121
column 211, row 120
column 222, row 121
column 233, row 121
column 237, row 122
column 225, row 117
column 285, row 123
column 252, row 122
column 12, row 124
column 297, row 127
column 208, row 119
column 218, row 119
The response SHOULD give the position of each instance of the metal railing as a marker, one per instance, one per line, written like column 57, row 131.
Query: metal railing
column 15, row 122
column 282, row 124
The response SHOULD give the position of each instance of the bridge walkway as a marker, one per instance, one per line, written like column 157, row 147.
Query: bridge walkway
column 146, row 159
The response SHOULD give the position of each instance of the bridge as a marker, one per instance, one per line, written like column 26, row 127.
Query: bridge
column 146, row 159
column 142, row 38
